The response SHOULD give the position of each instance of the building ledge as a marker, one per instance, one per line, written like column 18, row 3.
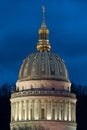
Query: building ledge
column 33, row 92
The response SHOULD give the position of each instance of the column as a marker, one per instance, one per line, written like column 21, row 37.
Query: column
column 53, row 113
column 69, row 111
column 26, row 113
column 62, row 110
column 59, row 110
column 49, row 110
column 32, row 114
column 16, row 114
column 56, row 110
column 74, row 112
column 65, row 111
column 29, row 109
column 17, row 110
column 36, row 109
column 39, row 104
column 20, row 110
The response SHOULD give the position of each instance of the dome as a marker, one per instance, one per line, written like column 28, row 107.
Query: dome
column 43, row 65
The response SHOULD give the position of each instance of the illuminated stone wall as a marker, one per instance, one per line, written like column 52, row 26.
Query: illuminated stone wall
column 51, row 106
column 46, row 84
column 25, row 108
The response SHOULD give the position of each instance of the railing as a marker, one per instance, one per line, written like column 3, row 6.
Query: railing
column 31, row 92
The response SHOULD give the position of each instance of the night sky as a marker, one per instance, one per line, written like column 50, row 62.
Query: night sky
column 19, row 24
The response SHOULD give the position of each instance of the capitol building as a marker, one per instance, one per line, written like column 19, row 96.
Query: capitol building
column 43, row 98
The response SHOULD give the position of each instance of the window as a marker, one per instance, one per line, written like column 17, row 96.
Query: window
column 42, row 113
column 31, row 114
column 53, row 114
column 61, row 111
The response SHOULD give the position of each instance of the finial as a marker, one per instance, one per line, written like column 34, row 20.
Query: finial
column 43, row 42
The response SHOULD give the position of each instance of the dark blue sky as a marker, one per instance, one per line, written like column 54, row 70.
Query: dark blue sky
column 19, row 24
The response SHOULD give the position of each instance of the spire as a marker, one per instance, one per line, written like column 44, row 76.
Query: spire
column 43, row 11
column 43, row 42
column 43, row 16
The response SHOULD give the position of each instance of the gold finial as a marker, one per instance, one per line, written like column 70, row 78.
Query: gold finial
column 43, row 42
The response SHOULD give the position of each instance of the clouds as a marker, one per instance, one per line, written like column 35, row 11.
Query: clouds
column 19, row 24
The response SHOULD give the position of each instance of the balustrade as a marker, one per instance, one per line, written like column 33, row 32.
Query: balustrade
column 43, row 93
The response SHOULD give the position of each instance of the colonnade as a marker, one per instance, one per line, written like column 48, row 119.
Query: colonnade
column 43, row 110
